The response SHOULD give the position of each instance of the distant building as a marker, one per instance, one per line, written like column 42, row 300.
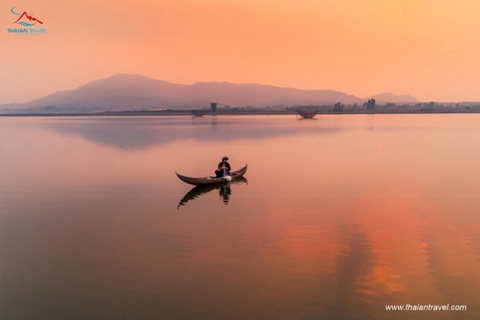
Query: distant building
column 214, row 106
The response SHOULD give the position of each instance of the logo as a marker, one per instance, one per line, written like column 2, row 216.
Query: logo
column 26, row 20
column 29, row 17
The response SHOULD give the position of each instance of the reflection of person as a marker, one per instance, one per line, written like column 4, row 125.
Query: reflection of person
column 225, row 192
column 223, row 166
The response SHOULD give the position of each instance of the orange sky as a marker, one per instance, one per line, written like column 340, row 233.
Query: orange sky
column 427, row 48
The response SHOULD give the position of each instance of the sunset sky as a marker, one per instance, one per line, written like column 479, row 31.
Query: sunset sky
column 429, row 49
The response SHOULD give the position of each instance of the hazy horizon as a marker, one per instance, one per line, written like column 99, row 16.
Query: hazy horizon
column 387, row 97
column 425, row 48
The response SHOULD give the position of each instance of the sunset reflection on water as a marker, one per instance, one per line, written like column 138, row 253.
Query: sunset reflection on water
column 340, row 216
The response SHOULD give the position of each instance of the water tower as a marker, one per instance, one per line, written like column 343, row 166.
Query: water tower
column 214, row 106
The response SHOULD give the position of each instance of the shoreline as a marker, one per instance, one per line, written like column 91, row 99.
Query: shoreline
column 234, row 113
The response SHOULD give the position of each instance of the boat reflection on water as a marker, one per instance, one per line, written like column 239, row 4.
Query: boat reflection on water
column 224, row 191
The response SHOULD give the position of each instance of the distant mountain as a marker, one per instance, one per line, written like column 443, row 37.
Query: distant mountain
column 12, row 106
column 50, row 99
column 119, row 92
column 257, row 95
column 133, row 92
column 390, row 97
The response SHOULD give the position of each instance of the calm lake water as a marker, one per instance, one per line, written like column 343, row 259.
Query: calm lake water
column 338, row 217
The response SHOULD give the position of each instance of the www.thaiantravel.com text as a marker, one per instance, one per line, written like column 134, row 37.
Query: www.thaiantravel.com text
column 425, row 307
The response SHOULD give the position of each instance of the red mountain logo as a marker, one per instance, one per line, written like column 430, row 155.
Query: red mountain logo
column 31, row 20
column 24, row 14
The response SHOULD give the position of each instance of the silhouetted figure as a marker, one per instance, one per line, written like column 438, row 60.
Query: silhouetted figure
column 223, row 168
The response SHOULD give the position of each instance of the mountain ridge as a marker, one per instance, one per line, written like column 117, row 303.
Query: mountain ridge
column 130, row 92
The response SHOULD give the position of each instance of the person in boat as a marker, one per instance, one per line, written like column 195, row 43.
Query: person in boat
column 223, row 166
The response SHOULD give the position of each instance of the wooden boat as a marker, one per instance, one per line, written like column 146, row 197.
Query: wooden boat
column 224, row 191
column 307, row 114
column 212, row 180
column 199, row 113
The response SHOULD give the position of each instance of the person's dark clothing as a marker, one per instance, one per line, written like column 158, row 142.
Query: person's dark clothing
column 219, row 172
column 226, row 164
